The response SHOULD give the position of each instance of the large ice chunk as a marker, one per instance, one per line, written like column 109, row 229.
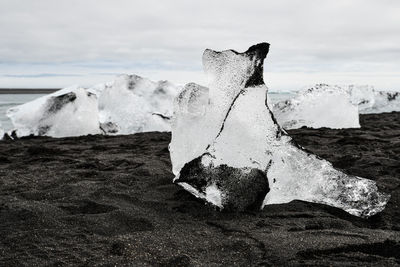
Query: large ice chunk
column 370, row 100
column 135, row 104
column 127, row 105
column 68, row 112
column 310, row 107
column 319, row 106
column 228, row 149
column 384, row 101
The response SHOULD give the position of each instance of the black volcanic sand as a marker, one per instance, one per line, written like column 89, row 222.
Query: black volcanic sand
column 102, row 200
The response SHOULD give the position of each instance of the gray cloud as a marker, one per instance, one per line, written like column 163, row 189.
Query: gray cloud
column 40, row 75
column 306, row 36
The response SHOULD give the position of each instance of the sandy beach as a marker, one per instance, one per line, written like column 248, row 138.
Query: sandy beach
column 109, row 200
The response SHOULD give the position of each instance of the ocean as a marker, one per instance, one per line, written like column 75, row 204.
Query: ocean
column 10, row 100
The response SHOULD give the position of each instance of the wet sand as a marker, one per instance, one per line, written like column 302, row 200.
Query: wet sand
column 109, row 200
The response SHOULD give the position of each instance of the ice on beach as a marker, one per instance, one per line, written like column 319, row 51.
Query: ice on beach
column 135, row 104
column 330, row 106
column 384, row 101
column 228, row 149
column 68, row 112
column 191, row 126
column 319, row 106
column 362, row 95
column 370, row 100
column 127, row 105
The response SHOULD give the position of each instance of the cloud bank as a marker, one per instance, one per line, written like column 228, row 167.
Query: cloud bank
column 86, row 42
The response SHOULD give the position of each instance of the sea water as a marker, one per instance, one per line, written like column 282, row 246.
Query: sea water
column 10, row 100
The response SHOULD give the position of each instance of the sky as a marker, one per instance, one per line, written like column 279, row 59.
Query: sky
column 58, row 43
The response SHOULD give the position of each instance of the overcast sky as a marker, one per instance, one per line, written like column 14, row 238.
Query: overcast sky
column 56, row 43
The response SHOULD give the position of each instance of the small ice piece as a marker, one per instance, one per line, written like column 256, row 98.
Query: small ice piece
column 319, row 106
column 214, row 195
column 384, row 101
column 68, row 112
column 135, row 104
column 228, row 149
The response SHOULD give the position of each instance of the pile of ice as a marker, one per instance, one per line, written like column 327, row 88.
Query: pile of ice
column 320, row 106
column 129, row 104
column 227, row 148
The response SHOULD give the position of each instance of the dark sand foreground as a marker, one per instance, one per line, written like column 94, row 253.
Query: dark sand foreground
column 101, row 200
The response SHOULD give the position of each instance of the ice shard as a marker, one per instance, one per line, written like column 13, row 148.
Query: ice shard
column 228, row 149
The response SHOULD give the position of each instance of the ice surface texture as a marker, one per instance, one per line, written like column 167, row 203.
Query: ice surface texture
column 319, row 106
column 135, row 104
column 362, row 95
column 127, row 105
column 228, row 149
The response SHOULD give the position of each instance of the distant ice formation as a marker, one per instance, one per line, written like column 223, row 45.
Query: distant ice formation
column 333, row 106
column 228, row 149
column 68, row 112
column 362, row 95
column 127, row 105
column 384, row 101
column 370, row 100
column 320, row 106
column 135, row 104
